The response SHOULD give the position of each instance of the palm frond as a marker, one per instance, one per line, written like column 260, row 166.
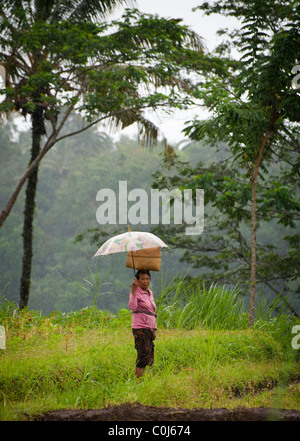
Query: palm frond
column 148, row 132
column 95, row 9
column 22, row 11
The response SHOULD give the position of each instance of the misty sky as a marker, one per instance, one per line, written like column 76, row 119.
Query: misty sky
column 171, row 125
column 206, row 27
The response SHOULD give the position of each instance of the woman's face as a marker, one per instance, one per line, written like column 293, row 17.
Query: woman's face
column 144, row 281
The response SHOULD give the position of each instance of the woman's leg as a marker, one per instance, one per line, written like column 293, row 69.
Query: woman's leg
column 145, row 350
column 139, row 372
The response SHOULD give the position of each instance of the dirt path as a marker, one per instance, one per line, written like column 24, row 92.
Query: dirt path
column 137, row 412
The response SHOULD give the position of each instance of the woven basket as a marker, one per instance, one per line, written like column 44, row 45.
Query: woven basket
column 148, row 259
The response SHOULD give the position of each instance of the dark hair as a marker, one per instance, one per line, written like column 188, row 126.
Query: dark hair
column 140, row 272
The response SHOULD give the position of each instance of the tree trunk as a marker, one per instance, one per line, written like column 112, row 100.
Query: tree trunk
column 37, row 131
column 253, row 225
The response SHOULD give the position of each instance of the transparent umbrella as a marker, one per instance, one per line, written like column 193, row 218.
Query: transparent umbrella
column 129, row 242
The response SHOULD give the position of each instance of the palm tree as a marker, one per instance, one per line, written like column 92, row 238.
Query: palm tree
column 17, row 16
column 50, row 51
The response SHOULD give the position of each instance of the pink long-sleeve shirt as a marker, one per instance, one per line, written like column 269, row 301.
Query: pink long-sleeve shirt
column 142, row 301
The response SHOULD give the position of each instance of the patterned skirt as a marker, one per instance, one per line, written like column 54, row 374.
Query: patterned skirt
column 143, row 342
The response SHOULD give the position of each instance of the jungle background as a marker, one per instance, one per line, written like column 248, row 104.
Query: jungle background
column 68, row 344
column 65, row 275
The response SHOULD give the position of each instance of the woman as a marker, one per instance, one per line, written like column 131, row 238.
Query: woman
column 142, row 304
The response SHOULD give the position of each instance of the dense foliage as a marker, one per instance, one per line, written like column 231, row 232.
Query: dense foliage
column 79, row 169
column 60, row 57
column 68, row 210
column 254, row 119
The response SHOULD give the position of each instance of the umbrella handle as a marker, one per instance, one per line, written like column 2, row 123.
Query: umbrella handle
column 133, row 263
column 132, row 255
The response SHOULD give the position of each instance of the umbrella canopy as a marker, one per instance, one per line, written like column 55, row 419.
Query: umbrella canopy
column 130, row 241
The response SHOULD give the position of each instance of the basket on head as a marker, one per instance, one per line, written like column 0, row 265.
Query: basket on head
column 148, row 259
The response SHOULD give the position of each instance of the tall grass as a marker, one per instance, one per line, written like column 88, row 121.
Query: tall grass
column 184, row 304
column 204, row 355
column 198, row 368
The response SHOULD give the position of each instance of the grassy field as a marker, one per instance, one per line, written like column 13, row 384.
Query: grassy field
column 86, row 359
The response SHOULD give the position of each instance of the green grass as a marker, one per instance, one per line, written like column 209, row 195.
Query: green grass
column 86, row 360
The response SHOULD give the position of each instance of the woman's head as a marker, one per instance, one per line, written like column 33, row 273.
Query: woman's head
column 143, row 277
column 142, row 272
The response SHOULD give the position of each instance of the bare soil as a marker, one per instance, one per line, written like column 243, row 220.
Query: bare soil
column 138, row 412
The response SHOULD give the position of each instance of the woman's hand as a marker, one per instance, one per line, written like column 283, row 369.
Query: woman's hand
column 134, row 286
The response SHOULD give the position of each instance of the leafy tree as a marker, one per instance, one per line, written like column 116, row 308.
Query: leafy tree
column 59, row 58
column 80, row 167
column 256, row 112
column 222, row 253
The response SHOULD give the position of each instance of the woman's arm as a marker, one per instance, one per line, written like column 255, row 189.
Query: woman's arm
column 132, row 301
column 134, row 286
column 132, row 296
